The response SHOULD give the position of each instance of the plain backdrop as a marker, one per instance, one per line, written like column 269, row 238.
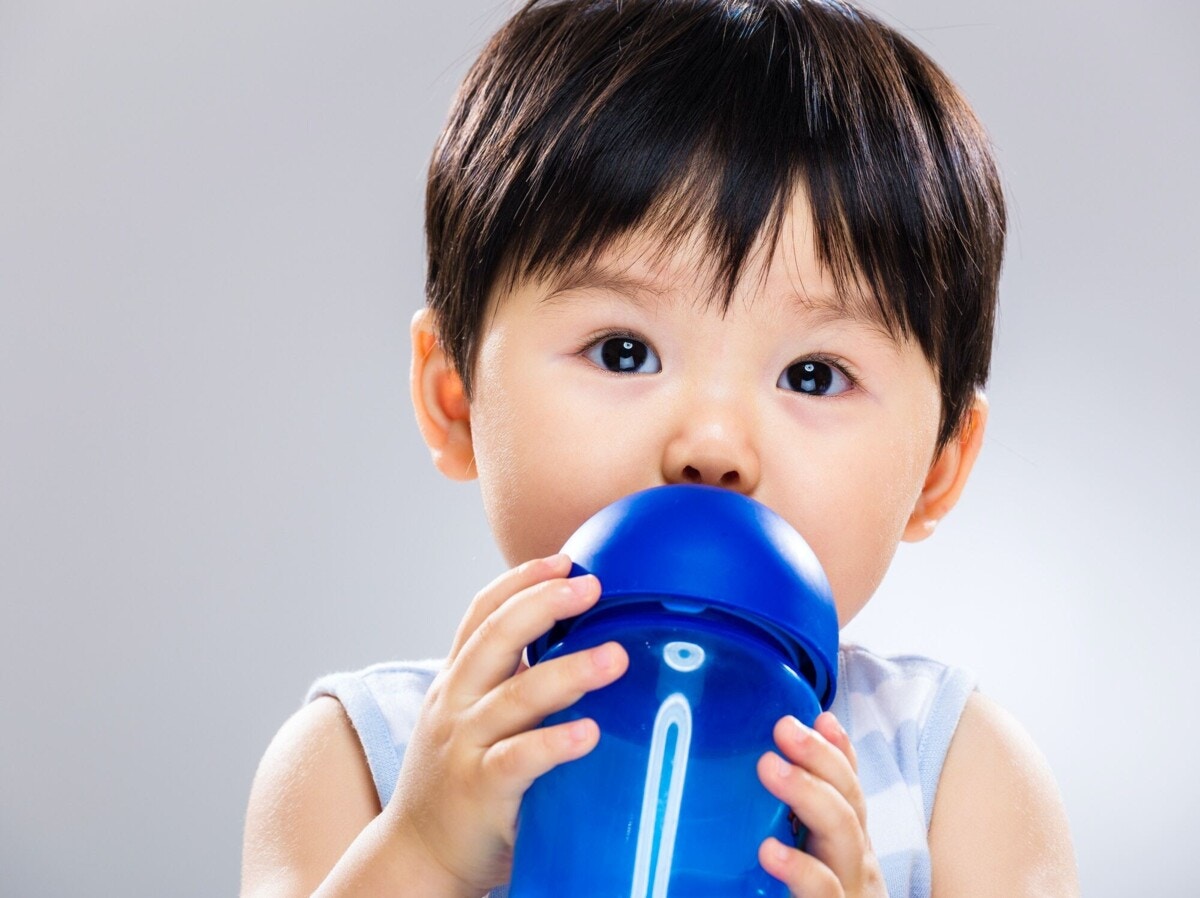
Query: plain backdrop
column 212, row 489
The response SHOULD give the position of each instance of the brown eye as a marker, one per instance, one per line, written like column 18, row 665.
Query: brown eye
column 624, row 355
column 814, row 378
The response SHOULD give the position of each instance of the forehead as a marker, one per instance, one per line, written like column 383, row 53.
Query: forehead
column 649, row 266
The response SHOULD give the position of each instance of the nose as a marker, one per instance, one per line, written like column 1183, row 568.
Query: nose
column 713, row 445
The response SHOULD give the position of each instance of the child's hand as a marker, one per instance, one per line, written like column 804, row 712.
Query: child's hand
column 817, row 777
column 476, row 747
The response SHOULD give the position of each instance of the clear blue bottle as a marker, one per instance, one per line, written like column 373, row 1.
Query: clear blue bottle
column 729, row 625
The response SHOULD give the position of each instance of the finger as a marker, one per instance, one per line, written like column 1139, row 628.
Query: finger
column 493, row 652
column 517, row 761
column 831, row 728
column 522, row 702
column 815, row 752
column 804, row 875
column 503, row 588
column 835, row 835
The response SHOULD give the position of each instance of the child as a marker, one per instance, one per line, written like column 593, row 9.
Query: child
column 747, row 243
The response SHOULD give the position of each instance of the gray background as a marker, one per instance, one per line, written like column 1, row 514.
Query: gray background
column 212, row 489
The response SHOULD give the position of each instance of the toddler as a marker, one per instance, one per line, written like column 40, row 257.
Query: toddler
column 747, row 243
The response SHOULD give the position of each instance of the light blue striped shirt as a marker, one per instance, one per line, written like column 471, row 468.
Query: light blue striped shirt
column 900, row 713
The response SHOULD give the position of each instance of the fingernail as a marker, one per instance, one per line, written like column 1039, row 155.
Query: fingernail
column 605, row 657
column 556, row 562
column 583, row 586
column 779, row 851
column 578, row 731
column 838, row 729
column 782, row 767
column 799, row 731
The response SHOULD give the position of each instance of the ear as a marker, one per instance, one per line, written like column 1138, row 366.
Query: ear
column 438, row 398
column 948, row 474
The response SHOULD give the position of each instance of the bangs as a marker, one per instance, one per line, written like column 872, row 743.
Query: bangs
column 584, row 122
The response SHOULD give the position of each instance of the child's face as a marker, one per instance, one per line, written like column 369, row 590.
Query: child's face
column 624, row 379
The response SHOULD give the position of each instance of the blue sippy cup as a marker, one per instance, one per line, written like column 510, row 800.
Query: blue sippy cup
column 729, row 625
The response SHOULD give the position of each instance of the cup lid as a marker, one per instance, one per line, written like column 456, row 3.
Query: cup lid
column 712, row 547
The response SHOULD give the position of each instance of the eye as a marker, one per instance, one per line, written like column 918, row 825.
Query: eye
column 815, row 378
column 624, row 355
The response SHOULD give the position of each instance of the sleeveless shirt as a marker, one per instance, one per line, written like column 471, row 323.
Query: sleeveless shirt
column 900, row 713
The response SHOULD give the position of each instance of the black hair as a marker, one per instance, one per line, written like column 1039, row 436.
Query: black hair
column 584, row 120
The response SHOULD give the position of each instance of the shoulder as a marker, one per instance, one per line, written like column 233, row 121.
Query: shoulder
column 312, row 795
column 903, row 708
column 861, row 671
column 999, row 827
column 383, row 703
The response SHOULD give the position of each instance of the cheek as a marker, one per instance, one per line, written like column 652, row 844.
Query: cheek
column 856, row 572
column 855, row 554
column 513, row 442
column 861, row 522
column 543, row 468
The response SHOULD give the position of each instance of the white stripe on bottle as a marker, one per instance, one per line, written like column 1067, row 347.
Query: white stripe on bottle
column 669, row 746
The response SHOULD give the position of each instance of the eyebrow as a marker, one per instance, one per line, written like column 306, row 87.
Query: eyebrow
column 825, row 307
column 585, row 277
